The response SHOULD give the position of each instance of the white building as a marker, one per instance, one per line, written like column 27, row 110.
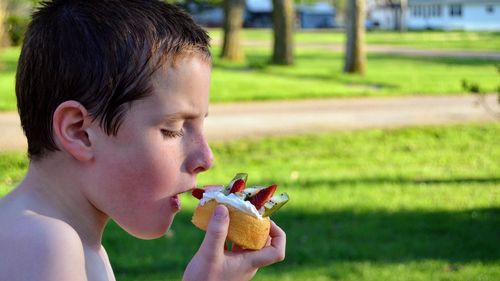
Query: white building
column 384, row 16
column 477, row 15
column 454, row 14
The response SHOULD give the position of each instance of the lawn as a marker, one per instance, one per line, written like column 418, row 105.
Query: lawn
column 450, row 40
column 316, row 74
column 8, row 63
column 404, row 204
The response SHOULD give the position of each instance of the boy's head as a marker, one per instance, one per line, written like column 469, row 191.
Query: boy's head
column 100, row 53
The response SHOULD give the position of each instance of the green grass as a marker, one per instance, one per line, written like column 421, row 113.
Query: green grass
column 405, row 204
column 317, row 74
column 8, row 63
column 13, row 165
column 451, row 40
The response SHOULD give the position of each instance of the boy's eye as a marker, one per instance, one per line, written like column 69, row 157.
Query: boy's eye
column 172, row 134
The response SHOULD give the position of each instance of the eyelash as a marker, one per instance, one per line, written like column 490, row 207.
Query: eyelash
column 172, row 134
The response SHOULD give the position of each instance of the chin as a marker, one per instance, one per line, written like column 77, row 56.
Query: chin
column 150, row 230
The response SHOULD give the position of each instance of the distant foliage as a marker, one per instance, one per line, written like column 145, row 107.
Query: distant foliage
column 16, row 27
column 475, row 89
column 3, row 29
column 471, row 87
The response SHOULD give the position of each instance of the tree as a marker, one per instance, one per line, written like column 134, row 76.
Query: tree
column 233, row 22
column 283, row 25
column 403, row 4
column 4, row 39
column 355, row 57
column 340, row 10
column 476, row 89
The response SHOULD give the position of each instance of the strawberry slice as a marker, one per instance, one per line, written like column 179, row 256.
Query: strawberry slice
column 263, row 196
column 238, row 176
column 198, row 193
column 238, row 186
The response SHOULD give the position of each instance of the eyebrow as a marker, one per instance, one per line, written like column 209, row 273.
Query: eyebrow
column 180, row 115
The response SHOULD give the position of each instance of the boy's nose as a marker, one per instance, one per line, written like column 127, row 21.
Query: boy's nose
column 202, row 157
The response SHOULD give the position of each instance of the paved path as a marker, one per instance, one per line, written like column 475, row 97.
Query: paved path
column 257, row 119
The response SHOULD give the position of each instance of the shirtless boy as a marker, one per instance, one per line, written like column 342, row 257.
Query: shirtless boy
column 112, row 96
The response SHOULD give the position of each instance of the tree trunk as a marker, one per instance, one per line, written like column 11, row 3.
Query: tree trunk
column 233, row 22
column 402, row 15
column 340, row 11
column 4, row 38
column 283, row 26
column 355, row 57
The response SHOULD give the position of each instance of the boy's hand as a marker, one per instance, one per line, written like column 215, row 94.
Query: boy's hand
column 213, row 262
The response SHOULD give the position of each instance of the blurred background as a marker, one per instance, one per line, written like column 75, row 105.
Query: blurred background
column 378, row 117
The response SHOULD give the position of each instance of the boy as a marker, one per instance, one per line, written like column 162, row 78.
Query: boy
column 112, row 97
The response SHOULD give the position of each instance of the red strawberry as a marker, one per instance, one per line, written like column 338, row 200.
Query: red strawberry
column 263, row 196
column 198, row 193
column 238, row 186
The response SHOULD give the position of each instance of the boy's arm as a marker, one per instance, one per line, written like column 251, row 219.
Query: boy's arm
column 212, row 262
column 43, row 254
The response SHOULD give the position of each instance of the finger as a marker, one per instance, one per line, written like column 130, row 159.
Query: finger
column 278, row 236
column 215, row 238
column 268, row 242
column 274, row 252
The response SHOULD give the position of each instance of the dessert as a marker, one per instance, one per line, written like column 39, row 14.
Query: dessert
column 249, row 210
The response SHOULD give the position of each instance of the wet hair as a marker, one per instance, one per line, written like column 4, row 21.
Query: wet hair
column 100, row 53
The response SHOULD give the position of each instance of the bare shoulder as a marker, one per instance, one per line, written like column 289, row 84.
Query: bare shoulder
column 39, row 248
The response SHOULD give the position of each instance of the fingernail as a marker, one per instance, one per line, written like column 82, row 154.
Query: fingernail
column 220, row 212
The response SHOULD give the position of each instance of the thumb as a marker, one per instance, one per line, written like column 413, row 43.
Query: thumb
column 215, row 238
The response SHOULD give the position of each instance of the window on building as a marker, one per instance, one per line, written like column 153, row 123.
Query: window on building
column 438, row 10
column 456, row 10
column 490, row 9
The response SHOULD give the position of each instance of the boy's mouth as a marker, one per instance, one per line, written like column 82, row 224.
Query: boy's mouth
column 176, row 202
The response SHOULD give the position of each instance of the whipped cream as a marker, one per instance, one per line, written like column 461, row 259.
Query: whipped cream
column 215, row 193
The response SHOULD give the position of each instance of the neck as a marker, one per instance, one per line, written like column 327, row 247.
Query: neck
column 60, row 195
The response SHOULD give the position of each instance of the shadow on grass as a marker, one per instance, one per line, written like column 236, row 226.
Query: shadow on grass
column 262, row 61
column 320, row 239
column 259, row 63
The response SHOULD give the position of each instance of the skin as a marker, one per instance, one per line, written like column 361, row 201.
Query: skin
column 51, row 225
column 213, row 262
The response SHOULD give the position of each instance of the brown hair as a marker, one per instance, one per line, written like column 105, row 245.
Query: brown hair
column 101, row 53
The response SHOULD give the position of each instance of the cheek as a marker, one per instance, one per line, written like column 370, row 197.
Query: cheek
column 136, row 174
column 152, row 173
column 136, row 190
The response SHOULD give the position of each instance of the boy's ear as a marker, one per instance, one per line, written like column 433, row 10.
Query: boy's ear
column 71, row 123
